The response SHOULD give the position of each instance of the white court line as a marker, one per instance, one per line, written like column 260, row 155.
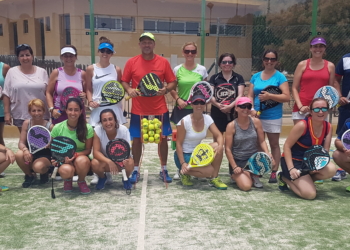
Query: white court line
column 142, row 222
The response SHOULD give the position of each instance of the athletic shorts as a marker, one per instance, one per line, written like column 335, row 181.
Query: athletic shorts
column 44, row 153
column 178, row 114
column 135, row 127
column 220, row 118
column 297, row 165
column 297, row 116
column 18, row 122
column 187, row 157
column 272, row 126
column 2, row 119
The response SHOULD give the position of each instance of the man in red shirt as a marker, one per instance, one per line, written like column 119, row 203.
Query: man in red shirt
column 135, row 69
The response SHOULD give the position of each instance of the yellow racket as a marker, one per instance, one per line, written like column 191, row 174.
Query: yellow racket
column 202, row 155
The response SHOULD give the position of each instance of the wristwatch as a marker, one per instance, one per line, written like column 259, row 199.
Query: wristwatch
column 51, row 109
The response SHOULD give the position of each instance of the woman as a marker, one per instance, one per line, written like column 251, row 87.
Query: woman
column 6, row 158
column 191, row 130
column 39, row 162
column 96, row 76
column 109, row 129
column 76, row 128
column 227, row 63
column 313, row 130
column 244, row 137
column 187, row 74
column 23, row 83
column 309, row 76
column 271, row 119
column 61, row 78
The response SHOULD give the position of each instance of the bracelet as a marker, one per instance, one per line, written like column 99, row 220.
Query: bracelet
column 91, row 101
column 233, row 169
column 301, row 107
column 291, row 169
column 75, row 155
column 177, row 99
column 182, row 163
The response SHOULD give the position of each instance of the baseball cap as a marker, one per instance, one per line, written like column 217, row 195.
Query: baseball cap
column 106, row 46
column 198, row 98
column 68, row 50
column 318, row 40
column 147, row 34
column 243, row 100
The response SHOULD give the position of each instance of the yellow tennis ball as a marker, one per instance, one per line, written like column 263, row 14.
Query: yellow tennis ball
column 155, row 120
column 144, row 120
column 151, row 127
column 156, row 126
column 145, row 137
column 144, row 131
column 158, row 131
column 156, row 137
column 160, row 124
column 151, row 139
column 151, row 122
column 157, row 141
column 151, row 133
column 145, row 125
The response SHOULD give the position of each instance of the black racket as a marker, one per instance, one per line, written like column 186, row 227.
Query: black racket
column 118, row 150
column 315, row 158
column 112, row 92
column 149, row 85
column 225, row 94
column 264, row 105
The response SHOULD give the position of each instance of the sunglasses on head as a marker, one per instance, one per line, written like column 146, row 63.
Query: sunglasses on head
column 23, row 45
column 227, row 62
column 192, row 51
column 108, row 51
column 266, row 59
column 198, row 103
column 317, row 110
column 245, row 106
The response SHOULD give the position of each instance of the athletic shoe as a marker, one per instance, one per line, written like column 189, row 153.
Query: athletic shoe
column 58, row 178
column 347, row 189
column 94, row 180
column 167, row 177
column 318, row 182
column 68, row 185
column 28, row 181
column 134, row 177
column 177, row 175
column 101, row 183
column 186, row 180
column 273, row 178
column 282, row 185
column 44, row 178
column 84, row 189
column 109, row 178
column 256, row 181
column 127, row 184
column 75, row 178
column 3, row 188
column 216, row 182
column 232, row 181
column 2, row 175
column 339, row 175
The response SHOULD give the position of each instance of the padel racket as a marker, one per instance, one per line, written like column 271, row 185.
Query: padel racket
column 265, row 105
column 38, row 138
column 345, row 139
column 112, row 92
column 201, row 88
column 315, row 158
column 69, row 92
column 259, row 163
column 330, row 94
column 149, row 85
column 202, row 155
column 118, row 150
column 225, row 94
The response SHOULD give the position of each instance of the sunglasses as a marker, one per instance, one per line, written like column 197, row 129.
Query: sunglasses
column 108, row 51
column 192, row 51
column 266, row 59
column 245, row 106
column 23, row 45
column 227, row 62
column 317, row 110
column 198, row 103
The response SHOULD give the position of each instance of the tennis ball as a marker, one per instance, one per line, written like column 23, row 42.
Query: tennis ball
column 151, row 139
column 144, row 120
column 156, row 137
column 145, row 125
column 157, row 141
column 151, row 133
column 145, row 137
column 151, row 122
column 144, row 131
column 160, row 124
column 158, row 131
column 155, row 120
column 151, row 127
column 156, row 126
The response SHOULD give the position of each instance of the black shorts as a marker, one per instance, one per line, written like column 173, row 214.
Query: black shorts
column 297, row 165
column 178, row 114
column 2, row 119
column 220, row 119
column 46, row 153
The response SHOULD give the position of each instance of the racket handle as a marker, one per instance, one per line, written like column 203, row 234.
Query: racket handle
column 125, row 178
column 54, row 173
column 128, row 98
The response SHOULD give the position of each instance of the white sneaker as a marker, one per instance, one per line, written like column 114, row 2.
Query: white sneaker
column 256, row 181
column 58, row 178
column 75, row 178
column 2, row 175
column 177, row 175
column 94, row 180
column 109, row 178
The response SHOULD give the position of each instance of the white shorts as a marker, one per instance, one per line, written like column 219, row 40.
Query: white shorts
column 297, row 116
column 272, row 126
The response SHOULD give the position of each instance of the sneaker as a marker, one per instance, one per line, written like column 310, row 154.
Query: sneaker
column 339, row 175
column 75, row 178
column 344, row 175
column 273, row 178
column 3, row 188
column 44, row 178
column 347, row 189
column 68, row 185
column 186, row 180
column 318, row 182
column 101, row 183
column 127, row 184
column 84, row 189
column 216, row 182
column 94, row 180
column 109, row 178
column 256, row 181
column 28, row 181
column 177, row 175
column 134, row 177
column 167, row 177
column 2, row 175
column 58, row 178
column 232, row 181
column 282, row 185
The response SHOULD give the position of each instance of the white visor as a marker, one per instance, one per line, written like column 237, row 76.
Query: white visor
column 67, row 50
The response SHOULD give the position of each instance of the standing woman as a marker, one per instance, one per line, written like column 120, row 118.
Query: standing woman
column 23, row 83
column 61, row 78
column 271, row 119
column 244, row 137
column 109, row 129
column 227, row 63
column 309, row 76
column 313, row 130
column 76, row 128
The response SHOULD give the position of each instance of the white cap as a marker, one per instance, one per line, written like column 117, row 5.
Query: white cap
column 68, row 50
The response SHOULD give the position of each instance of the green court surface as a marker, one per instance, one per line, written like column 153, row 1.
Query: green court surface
column 153, row 217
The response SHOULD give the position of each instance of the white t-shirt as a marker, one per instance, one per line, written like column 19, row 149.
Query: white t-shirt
column 192, row 137
column 123, row 133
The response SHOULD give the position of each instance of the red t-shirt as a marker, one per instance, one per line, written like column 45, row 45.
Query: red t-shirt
column 135, row 69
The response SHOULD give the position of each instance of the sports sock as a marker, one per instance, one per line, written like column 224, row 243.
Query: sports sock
column 136, row 168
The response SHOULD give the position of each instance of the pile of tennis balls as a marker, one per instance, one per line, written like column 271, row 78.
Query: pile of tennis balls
column 151, row 130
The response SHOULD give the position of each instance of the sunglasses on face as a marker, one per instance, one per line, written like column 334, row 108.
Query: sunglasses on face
column 192, row 51
column 317, row 110
column 266, row 59
column 318, row 46
column 198, row 103
column 106, row 51
column 227, row 62
column 245, row 106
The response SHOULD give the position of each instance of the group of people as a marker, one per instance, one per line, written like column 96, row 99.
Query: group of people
column 31, row 98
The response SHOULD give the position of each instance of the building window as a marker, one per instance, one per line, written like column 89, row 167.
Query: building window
column 228, row 30
column 1, row 30
column 175, row 27
column 103, row 22
column 47, row 24
column 25, row 26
